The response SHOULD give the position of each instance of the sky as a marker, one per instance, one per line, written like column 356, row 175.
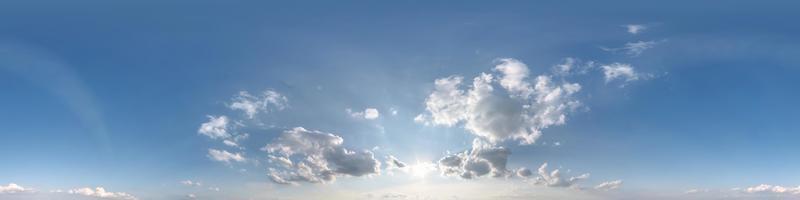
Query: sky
column 399, row 100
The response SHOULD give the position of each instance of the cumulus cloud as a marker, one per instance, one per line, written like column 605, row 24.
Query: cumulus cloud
column 316, row 157
column 556, row 178
column 517, row 109
column 12, row 188
column 482, row 160
column 635, row 28
column 369, row 113
column 633, row 48
column 621, row 71
column 771, row 189
column 253, row 104
column 215, row 128
column 100, row 192
column 609, row 185
column 225, row 156
column 524, row 172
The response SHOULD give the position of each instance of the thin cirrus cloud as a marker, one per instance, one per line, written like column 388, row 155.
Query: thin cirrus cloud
column 633, row 49
column 635, row 28
column 609, row 185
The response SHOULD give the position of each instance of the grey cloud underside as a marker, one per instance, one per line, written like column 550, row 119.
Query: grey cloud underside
column 502, row 106
column 482, row 160
column 316, row 157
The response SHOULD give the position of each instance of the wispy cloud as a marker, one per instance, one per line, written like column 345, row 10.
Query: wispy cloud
column 633, row 48
column 635, row 28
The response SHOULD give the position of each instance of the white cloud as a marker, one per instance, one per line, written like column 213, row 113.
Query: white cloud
column 322, row 158
column 369, row 113
column 483, row 159
column 225, row 156
column 393, row 111
column 12, row 188
column 621, row 71
column 635, row 28
column 609, row 185
column 100, row 192
column 521, row 112
column 236, row 139
column 191, row 183
column 772, row 189
column 251, row 105
column 695, row 191
column 556, row 178
column 215, row 128
column 633, row 48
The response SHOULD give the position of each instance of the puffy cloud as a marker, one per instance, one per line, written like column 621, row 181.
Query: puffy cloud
column 635, row 28
column 191, row 183
column 100, row 192
column 318, row 158
column 519, row 111
column 13, row 188
column 483, row 159
column 524, row 172
column 633, row 48
column 215, row 128
column 251, row 104
column 369, row 113
column 624, row 72
column 609, row 185
column 556, row 179
column 772, row 189
column 225, row 156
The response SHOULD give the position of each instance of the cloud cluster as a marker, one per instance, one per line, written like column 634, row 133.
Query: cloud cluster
column 369, row 113
column 517, row 109
column 609, row 185
column 556, row 178
column 620, row 71
column 316, row 157
column 252, row 104
column 771, row 189
column 100, row 192
column 482, row 160
column 12, row 188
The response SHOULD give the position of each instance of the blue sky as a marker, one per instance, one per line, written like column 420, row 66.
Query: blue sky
column 657, row 100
